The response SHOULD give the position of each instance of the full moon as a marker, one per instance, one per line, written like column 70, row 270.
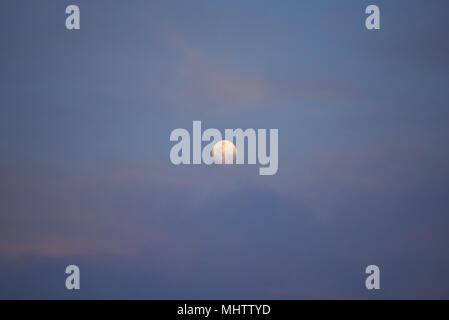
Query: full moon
column 224, row 150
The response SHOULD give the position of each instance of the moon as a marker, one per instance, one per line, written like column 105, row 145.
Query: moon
column 223, row 150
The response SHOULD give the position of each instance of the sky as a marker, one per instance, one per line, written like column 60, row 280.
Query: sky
column 86, row 178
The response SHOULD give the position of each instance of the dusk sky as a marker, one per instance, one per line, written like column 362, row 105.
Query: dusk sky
column 86, row 177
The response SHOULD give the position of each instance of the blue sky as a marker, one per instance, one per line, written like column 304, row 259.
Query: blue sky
column 85, row 175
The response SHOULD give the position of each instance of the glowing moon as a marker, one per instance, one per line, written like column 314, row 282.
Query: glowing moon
column 224, row 150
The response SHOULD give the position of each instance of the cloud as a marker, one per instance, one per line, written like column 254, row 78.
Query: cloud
column 224, row 237
column 52, row 213
column 207, row 79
